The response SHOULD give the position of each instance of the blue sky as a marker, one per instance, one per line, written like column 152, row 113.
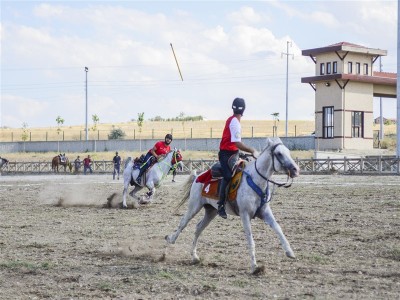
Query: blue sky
column 225, row 49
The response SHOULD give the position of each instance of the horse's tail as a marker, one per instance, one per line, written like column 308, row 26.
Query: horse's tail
column 186, row 189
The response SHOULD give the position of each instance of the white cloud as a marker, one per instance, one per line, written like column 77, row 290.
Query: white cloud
column 132, row 68
column 246, row 15
column 47, row 10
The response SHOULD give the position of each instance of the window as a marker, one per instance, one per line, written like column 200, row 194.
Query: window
column 365, row 69
column 327, row 120
column 357, row 128
column 328, row 68
column 322, row 69
column 334, row 66
column 349, row 67
column 358, row 68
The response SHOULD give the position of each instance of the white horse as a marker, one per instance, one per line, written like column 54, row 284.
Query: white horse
column 151, row 179
column 251, row 200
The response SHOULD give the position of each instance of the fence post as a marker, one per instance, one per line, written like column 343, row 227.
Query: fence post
column 134, row 134
column 98, row 135
column 152, row 133
column 362, row 165
column 191, row 133
column 30, row 136
column 80, row 135
column 211, row 132
column 252, row 131
column 295, row 130
column 398, row 166
column 12, row 136
column 63, row 135
column 345, row 164
column 46, row 136
column 380, row 164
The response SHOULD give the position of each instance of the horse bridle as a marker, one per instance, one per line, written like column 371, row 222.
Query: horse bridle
column 273, row 155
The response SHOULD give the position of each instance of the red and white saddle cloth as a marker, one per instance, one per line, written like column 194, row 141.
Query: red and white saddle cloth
column 211, row 185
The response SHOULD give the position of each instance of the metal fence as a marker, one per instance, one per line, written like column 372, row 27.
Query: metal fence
column 379, row 165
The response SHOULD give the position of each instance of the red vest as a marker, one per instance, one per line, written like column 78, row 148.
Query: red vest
column 226, row 143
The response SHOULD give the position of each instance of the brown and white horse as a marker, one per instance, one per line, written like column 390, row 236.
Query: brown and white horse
column 56, row 162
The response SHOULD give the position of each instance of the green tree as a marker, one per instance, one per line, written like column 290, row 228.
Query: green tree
column 140, row 122
column 24, row 135
column 95, row 120
column 60, row 122
column 116, row 134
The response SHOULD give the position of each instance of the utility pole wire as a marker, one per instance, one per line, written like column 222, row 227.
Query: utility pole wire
column 287, row 84
column 179, row 69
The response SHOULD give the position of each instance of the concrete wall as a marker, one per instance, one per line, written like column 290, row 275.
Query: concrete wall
column 293, row 143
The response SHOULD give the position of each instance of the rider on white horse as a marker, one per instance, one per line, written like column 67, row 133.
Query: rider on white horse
column 230, row 145
column 161, row 148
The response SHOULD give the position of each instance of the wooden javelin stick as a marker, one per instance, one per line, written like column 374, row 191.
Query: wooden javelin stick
column 179, row 69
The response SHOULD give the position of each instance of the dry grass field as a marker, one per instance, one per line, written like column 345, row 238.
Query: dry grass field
column 189, row 129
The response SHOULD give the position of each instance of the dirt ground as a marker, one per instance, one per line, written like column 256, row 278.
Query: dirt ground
column 57, row 241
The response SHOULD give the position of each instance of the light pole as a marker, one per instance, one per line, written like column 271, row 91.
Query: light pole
column 287, row 85
column 86, row 114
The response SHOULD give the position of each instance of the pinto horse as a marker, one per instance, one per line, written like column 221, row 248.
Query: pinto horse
column 251, row 200
column 151, row 179
column 56, row 162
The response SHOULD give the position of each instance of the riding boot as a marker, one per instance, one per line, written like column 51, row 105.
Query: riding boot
column 222, row 198
column 141, row 171
column 139, row 178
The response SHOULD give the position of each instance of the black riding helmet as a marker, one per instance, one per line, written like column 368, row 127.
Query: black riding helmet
column 238, row 106
column 168, row 136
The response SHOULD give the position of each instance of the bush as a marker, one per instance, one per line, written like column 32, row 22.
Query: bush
column 116, row 134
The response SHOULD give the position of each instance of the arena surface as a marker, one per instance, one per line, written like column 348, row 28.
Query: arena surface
column 60, row 240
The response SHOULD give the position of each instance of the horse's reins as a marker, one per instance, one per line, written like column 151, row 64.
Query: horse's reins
column 286, row 184
column 267, row 195
column 172, row 166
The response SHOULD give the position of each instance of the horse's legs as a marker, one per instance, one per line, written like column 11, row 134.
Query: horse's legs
column 193, row 208
column 269, row 219
column 210, row 213
column 126, row 186
column 250, row 241
column 148, row 197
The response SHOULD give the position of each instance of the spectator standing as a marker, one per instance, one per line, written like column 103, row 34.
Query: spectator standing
column 117, row 165
column 87, row 165
column 77, row 164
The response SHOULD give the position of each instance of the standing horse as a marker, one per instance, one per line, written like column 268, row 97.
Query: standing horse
column 250, row 202
column 152, row 178
column 57, row 162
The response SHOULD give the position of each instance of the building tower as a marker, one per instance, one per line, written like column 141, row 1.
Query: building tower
column 345, row 84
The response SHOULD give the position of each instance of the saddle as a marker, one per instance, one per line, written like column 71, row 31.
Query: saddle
column 137, row 164
column 213, row 177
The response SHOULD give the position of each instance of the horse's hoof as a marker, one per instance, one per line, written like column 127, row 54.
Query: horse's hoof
column 258, row 270
column 290, row 254
column 169, row 240
column 195, row 261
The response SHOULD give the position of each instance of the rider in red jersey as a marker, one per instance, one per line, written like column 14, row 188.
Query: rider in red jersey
column 231, row 143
